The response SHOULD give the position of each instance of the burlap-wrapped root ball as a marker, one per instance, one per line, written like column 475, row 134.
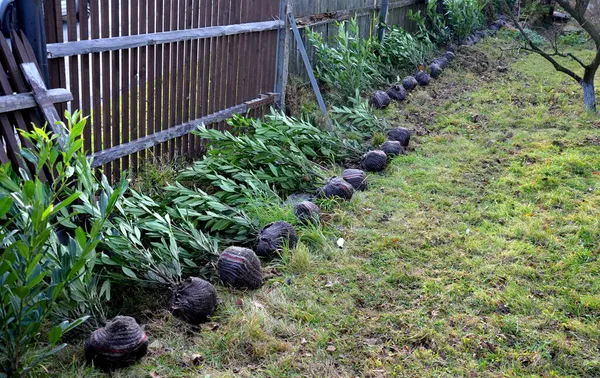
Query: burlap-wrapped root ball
column 422, row 78
column 337, row 187
column 441, row 61
column 240, row 268
column 435, row 70
column 449, row 55
column 399, row 134
column 307, row 212
column 397, row 92
column 392, row 148
column 274, row 237
column 193, row 300
column 356, row 178
column 121, row 342
column 409, row 83
column 379, row 100
column 374, row 161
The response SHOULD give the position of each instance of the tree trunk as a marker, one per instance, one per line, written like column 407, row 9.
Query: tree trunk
column 589, row 97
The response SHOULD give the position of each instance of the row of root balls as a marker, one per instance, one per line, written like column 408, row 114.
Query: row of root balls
column 398, row 92
column 122, row 340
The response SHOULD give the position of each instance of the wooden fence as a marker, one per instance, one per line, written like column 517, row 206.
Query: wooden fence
column 322, row 15
column 24, row 101
column 148, row 71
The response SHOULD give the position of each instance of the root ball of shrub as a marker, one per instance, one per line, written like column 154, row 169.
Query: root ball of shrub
column 435, row 70
column 379, row 99
column 441, row 61
column 274, row 237
column 399, row 134
column 240, row 268
column 307, row 212
column 121, row 342
column 409, row 83
column 356, row 178
column 422, row 78
column 397, row 92
column 392, row 148
column 449, row 55
column 337, row 187
column 193, row 300
column 374, row 161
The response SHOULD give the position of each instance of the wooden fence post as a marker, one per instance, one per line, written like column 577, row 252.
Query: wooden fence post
column 30, row 15
column 382, row 18
column 280, row 81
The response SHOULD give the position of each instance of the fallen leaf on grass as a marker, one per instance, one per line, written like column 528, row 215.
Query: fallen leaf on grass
column 331, row 348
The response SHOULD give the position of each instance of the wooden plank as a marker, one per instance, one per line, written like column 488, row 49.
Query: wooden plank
column 158, row 92
column 194, row 68
column 186, row 76
column 130, row 131
column 180, row 94
column 148, row 141
column 96, row 110
column 115, row 72
column 7, row 131
column 143, row 80
column 150, row 126
column 57, row 50
column 127, row 74
column 309, row 70
column 173, row 77
column 105, row 75
column 54, row 34
column 166, row 72
column 21, row 101
column 73, row 62
column 45, row 103
column 85, row 79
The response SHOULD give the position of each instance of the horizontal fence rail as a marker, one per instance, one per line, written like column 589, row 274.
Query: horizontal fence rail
column 57, row 50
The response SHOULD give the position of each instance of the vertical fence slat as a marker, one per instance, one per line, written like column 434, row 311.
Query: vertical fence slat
column 180, row 74
column 105, row 74
column 194, row 68
column 96, row 89
column 115, row 94
column 123, row 127
column 86, row 85
column 73, row 60
column 134, row 107
column 150, row 128
column 142, row 72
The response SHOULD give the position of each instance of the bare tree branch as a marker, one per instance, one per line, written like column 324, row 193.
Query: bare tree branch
column 534, row 48
column 578, row 13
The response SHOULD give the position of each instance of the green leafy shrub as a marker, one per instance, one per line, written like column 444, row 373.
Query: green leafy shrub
column 41, row 272
column 355, row 125
column 348, row 64
column 435, row 25
column 401, row 50
column 464, row 17
column 279, row 152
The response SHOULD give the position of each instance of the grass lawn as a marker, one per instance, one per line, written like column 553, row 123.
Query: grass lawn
column 474, row 255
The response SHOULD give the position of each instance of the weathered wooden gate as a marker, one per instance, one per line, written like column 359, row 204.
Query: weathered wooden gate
column 147, row 71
